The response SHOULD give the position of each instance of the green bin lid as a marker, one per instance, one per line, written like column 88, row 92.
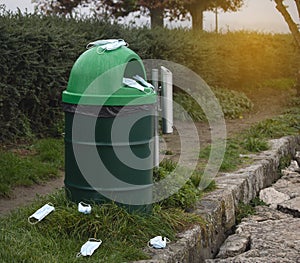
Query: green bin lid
column 97, row 79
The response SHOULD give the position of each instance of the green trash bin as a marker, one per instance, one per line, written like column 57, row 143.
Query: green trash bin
column 109, row 130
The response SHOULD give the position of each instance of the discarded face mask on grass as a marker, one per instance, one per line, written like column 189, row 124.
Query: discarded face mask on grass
column 84, row 208
column 41, row 213
column 89, row 247
column 158, row 242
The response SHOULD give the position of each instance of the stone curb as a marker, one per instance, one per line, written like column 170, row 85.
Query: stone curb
column 218, row 208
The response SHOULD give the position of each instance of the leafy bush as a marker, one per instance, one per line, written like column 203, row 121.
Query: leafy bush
column 191, row 107
column 234, row 104
column 36, row 58
column 38, row 52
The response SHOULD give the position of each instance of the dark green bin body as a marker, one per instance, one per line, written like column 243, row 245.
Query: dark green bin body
column 78, row 187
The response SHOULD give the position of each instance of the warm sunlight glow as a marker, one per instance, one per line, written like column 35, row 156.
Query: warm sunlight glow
column 260, row 15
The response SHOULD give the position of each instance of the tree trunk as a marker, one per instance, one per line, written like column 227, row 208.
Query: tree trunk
column 288, row 19
column 157, row 17
column 298, row 75
column 297, row 86
column 294, row 30
column 197, row 19
column 196, row 10
column 298, row 7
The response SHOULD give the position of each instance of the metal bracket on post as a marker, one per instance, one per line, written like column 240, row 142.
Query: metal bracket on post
column 164, row 105
column 167, row 100
column 155, row 79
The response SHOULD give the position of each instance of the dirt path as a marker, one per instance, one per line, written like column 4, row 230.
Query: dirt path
column 22, row 195
column 267, row 104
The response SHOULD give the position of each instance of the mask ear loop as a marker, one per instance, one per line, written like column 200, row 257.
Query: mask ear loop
column 149, row 92
column 84, row 204
column 102, row 50
column 89, row 46
column 32, row 223
column 35, row 222
column 95, row 240
column 148, row 244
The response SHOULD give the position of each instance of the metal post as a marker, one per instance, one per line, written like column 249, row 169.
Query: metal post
column 155, row 79
column 167, row 100
column 217, row 22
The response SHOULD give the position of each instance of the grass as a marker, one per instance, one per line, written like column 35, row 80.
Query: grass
column 231, row 160
column 187, row 195
column 60, row 235
column 255, row 139
column 244, row 210
column 28, row 165
column 253, row 144
column 284, row 162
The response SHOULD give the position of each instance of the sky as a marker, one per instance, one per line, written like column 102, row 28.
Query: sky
column 259, row 15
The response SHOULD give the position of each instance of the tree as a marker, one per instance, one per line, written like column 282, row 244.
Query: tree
column 181, row 8
column 58, row 7
column 116, row 9
column 121, row 8
column 294, row 28
column 173, row 9
column 156, row 9
column 196, row 8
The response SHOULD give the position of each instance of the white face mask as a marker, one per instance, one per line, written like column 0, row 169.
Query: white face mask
column 133, row 84
column 143, row 82
column 158, row 242
column 108, row 44
column 41, row 213
column 89, row 247
column 84, row 208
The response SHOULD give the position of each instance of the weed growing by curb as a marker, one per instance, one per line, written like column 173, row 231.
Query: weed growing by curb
column 284, row 162
column 245, row 210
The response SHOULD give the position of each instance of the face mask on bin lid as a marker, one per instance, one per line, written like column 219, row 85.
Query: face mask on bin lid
column 108, row 44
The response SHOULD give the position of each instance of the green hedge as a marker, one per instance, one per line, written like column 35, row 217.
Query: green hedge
column 36, row 57
column 37, row 54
